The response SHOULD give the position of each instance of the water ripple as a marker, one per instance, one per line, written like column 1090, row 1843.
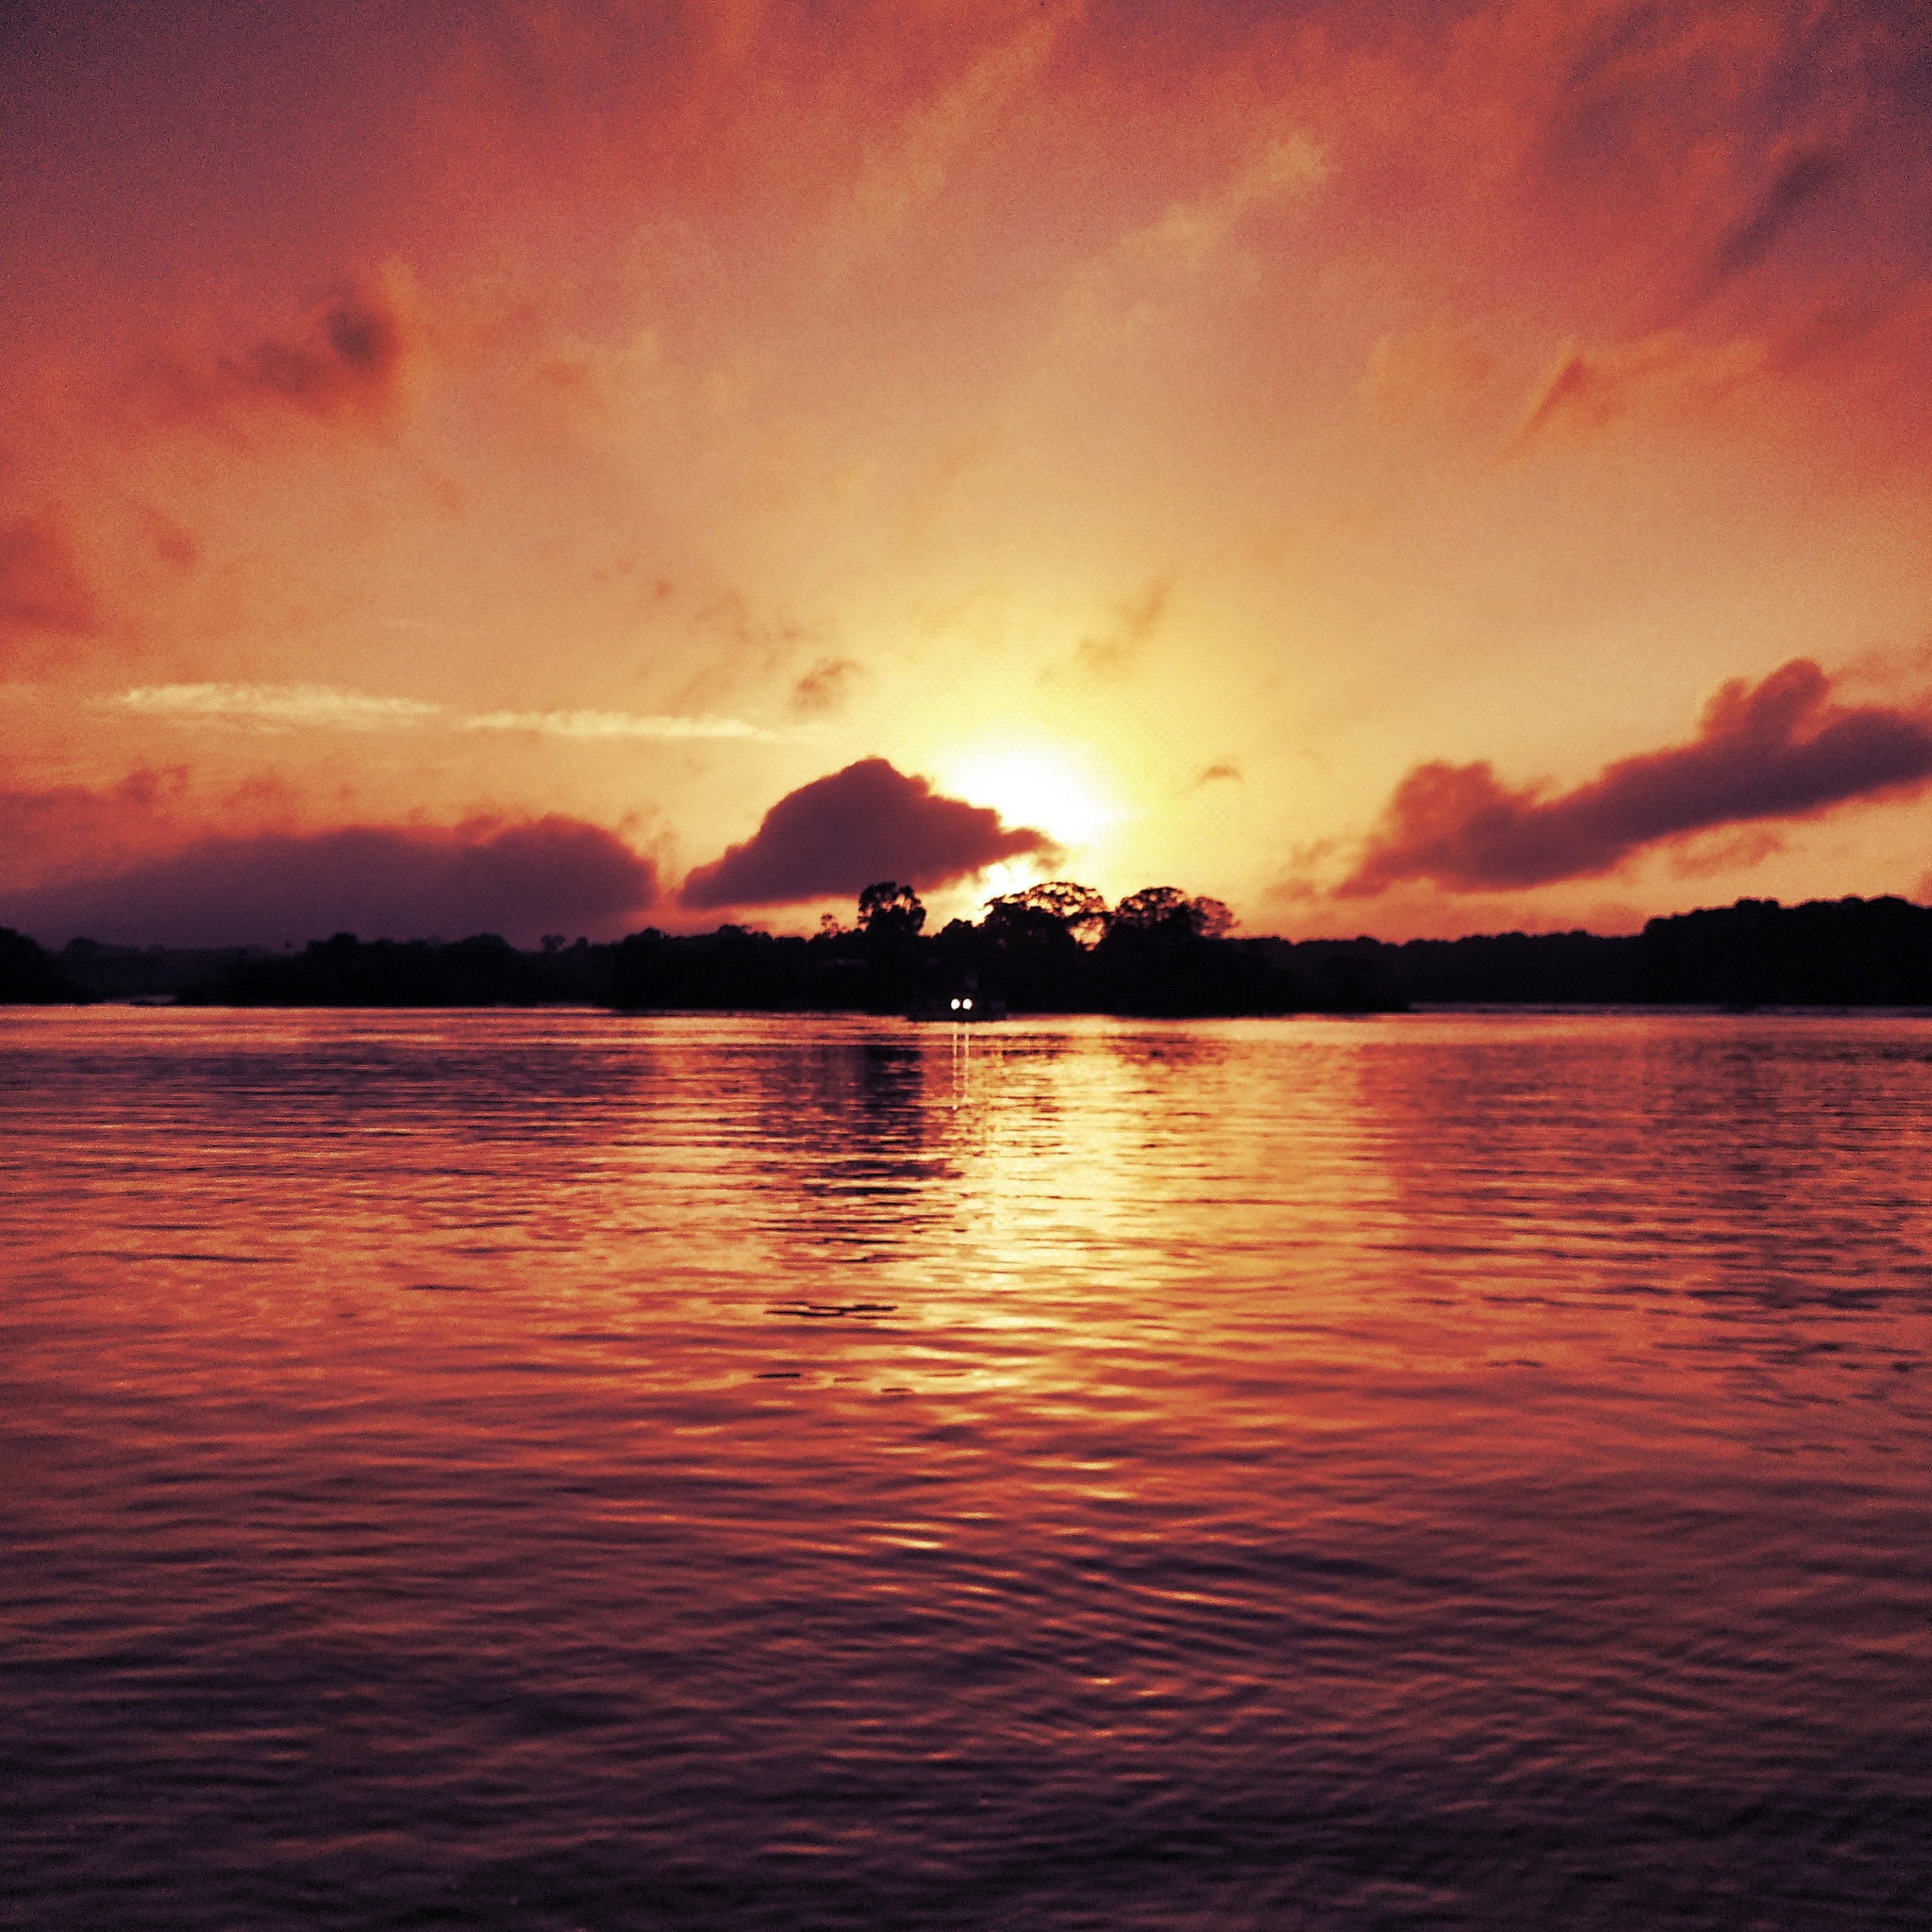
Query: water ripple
column 545, row 1470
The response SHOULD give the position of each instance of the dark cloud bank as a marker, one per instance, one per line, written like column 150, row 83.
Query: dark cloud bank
column 834, row 837
column 551, row 875
column 1781, row 749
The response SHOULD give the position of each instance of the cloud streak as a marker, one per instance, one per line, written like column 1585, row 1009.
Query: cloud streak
column 330, row 708
column 1781, row 749
column 276, row 707
column 839, row 834
column 1436, row 366
column 1190, row 233
column 613, row 725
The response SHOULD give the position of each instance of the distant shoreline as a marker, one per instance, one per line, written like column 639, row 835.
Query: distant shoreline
column 1755, row 954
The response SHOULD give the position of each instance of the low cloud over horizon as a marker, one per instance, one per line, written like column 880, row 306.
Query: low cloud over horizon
column 550, row 875
column 834, row 837
column 1781, row 749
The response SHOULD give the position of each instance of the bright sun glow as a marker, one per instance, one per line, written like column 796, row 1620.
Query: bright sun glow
column 1035, row 789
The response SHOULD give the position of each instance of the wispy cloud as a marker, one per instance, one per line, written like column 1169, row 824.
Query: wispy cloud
column 1433, row 367
column 612, row 724
column 351, row 361
column 1805, row 176
column 826, row 685
column 1118, row 289
column 277, row 707
column 1587, row 391
column 289, row 707
column 1190, row 232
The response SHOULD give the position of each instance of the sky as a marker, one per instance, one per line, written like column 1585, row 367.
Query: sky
column 541, row 467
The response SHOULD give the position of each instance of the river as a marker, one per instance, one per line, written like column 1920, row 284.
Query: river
column 548, row 1469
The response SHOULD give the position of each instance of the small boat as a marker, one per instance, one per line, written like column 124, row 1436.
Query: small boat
column 966, row 1008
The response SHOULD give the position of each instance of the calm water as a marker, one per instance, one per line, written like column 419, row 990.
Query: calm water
column 495, row 1468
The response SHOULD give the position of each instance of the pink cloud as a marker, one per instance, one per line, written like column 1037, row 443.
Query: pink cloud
column 1780, row 749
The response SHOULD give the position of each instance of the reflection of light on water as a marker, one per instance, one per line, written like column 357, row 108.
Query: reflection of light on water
column 962, row 1067
column 732, row 1385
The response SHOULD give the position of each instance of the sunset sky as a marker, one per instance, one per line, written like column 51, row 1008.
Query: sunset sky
column 1417, row 471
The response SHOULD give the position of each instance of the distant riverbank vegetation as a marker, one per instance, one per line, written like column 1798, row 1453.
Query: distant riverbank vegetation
column 1055, row 948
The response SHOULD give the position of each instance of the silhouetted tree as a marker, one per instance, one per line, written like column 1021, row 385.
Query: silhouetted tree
column 29, row 976
column 1167, row 908
column 1077, row 910
column 1152, row 909
column 890, row 908
column 890, row 916
column 1030, row 951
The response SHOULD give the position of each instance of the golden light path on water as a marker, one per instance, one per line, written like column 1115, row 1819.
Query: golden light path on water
column 542, row 1468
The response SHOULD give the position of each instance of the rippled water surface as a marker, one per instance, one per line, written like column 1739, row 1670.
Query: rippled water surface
column 555, row 1470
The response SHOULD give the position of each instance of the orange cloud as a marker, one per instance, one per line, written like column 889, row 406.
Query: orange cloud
column 1113, row 652
column 1781, row 749
column 1406, row 374
column 839, row 834
column 826, row 685
column 1586, row 391
column 63, row 830
column 43, row 589
column 352, row 362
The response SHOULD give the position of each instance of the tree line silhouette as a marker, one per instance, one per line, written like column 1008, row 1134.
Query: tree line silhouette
column 1056, row 947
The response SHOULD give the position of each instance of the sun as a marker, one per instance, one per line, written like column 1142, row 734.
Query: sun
column 1044, row 790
